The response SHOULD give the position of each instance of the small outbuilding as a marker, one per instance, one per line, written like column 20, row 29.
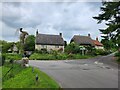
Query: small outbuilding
column 98, row 45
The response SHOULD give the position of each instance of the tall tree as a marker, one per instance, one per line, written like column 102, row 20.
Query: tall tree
column 111, row 14
column 29, row 43
column 4, row 45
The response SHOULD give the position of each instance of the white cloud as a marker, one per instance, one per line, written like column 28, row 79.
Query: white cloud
column 52, row 18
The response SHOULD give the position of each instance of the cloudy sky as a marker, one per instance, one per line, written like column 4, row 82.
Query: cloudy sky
column 69, row 18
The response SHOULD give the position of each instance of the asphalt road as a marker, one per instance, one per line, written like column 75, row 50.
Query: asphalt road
column 100, row 72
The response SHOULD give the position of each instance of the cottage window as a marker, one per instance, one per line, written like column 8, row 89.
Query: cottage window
column 56, row 46
column 43, row 46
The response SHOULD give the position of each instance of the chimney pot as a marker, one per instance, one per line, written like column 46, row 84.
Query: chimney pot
column 97, row 38
column 60, row 34
column 89, row 34
column 37, row 32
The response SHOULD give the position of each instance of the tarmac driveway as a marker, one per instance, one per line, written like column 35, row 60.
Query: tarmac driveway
column 85, row 73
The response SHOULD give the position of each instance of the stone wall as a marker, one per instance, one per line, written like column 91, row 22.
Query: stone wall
column 49, row 47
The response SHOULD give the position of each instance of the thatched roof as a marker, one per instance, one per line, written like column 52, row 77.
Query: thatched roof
column 82, row 40
column 45, row 39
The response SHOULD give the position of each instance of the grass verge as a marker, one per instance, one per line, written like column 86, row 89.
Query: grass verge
column 20, row 77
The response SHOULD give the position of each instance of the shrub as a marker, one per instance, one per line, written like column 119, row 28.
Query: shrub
column 44, row 50
column 79, row 56
column 39, row 56
column 61, row 56
column 57, row 56
column 60, row 50
column 118, row 55
column 70, row 56
column 38, row 51
column 13, row 56
column 2, row 59
column 100, row 52
column 72, row 48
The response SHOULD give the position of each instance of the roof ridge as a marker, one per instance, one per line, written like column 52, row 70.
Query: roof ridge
column 81, row 35
column 48, row 34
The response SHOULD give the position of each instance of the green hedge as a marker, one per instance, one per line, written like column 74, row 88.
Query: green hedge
column 2, row 59
column 118, row 55
column 100, row 52
column 12, row 56
column 57, row 56
column 42, row 56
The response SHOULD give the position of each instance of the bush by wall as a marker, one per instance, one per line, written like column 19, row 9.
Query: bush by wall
column 12, row 56
column 2, row 59
column 118, row 55
column 100, row 52
column 57, row 56
column 39, row 56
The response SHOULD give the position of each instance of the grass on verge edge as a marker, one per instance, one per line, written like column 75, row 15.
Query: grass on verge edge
column 26, row 78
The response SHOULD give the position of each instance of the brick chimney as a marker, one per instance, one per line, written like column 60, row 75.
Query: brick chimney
column 89, row 34
column 37, row 32
column 60, row 34
column 97, row 38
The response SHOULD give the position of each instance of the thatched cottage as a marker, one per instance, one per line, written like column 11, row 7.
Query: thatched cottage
column 87, row 41
column 49, row 42
column 83, row 40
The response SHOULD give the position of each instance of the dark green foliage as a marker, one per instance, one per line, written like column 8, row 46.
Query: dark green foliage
column 100, row 52
column 12, row 56
column 61, row 56
column 57, row 56
column 111, row 14
column 108, row 44
column 30, row 43
column 11, row 61
column 39, row 56
column 18, row 45
column 72, row 48
column 65, row 43
column 2, row 59
column 118, row 56
column 44, row 50
column 37, row 51
column 6, row 45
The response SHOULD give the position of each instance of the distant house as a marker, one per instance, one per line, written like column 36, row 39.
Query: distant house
column 83, row 40
column 98, row 45
column 9, row 50
column 49, row 42
column 13, row 49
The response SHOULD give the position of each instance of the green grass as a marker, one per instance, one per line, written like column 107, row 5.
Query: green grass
column 25, row 78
